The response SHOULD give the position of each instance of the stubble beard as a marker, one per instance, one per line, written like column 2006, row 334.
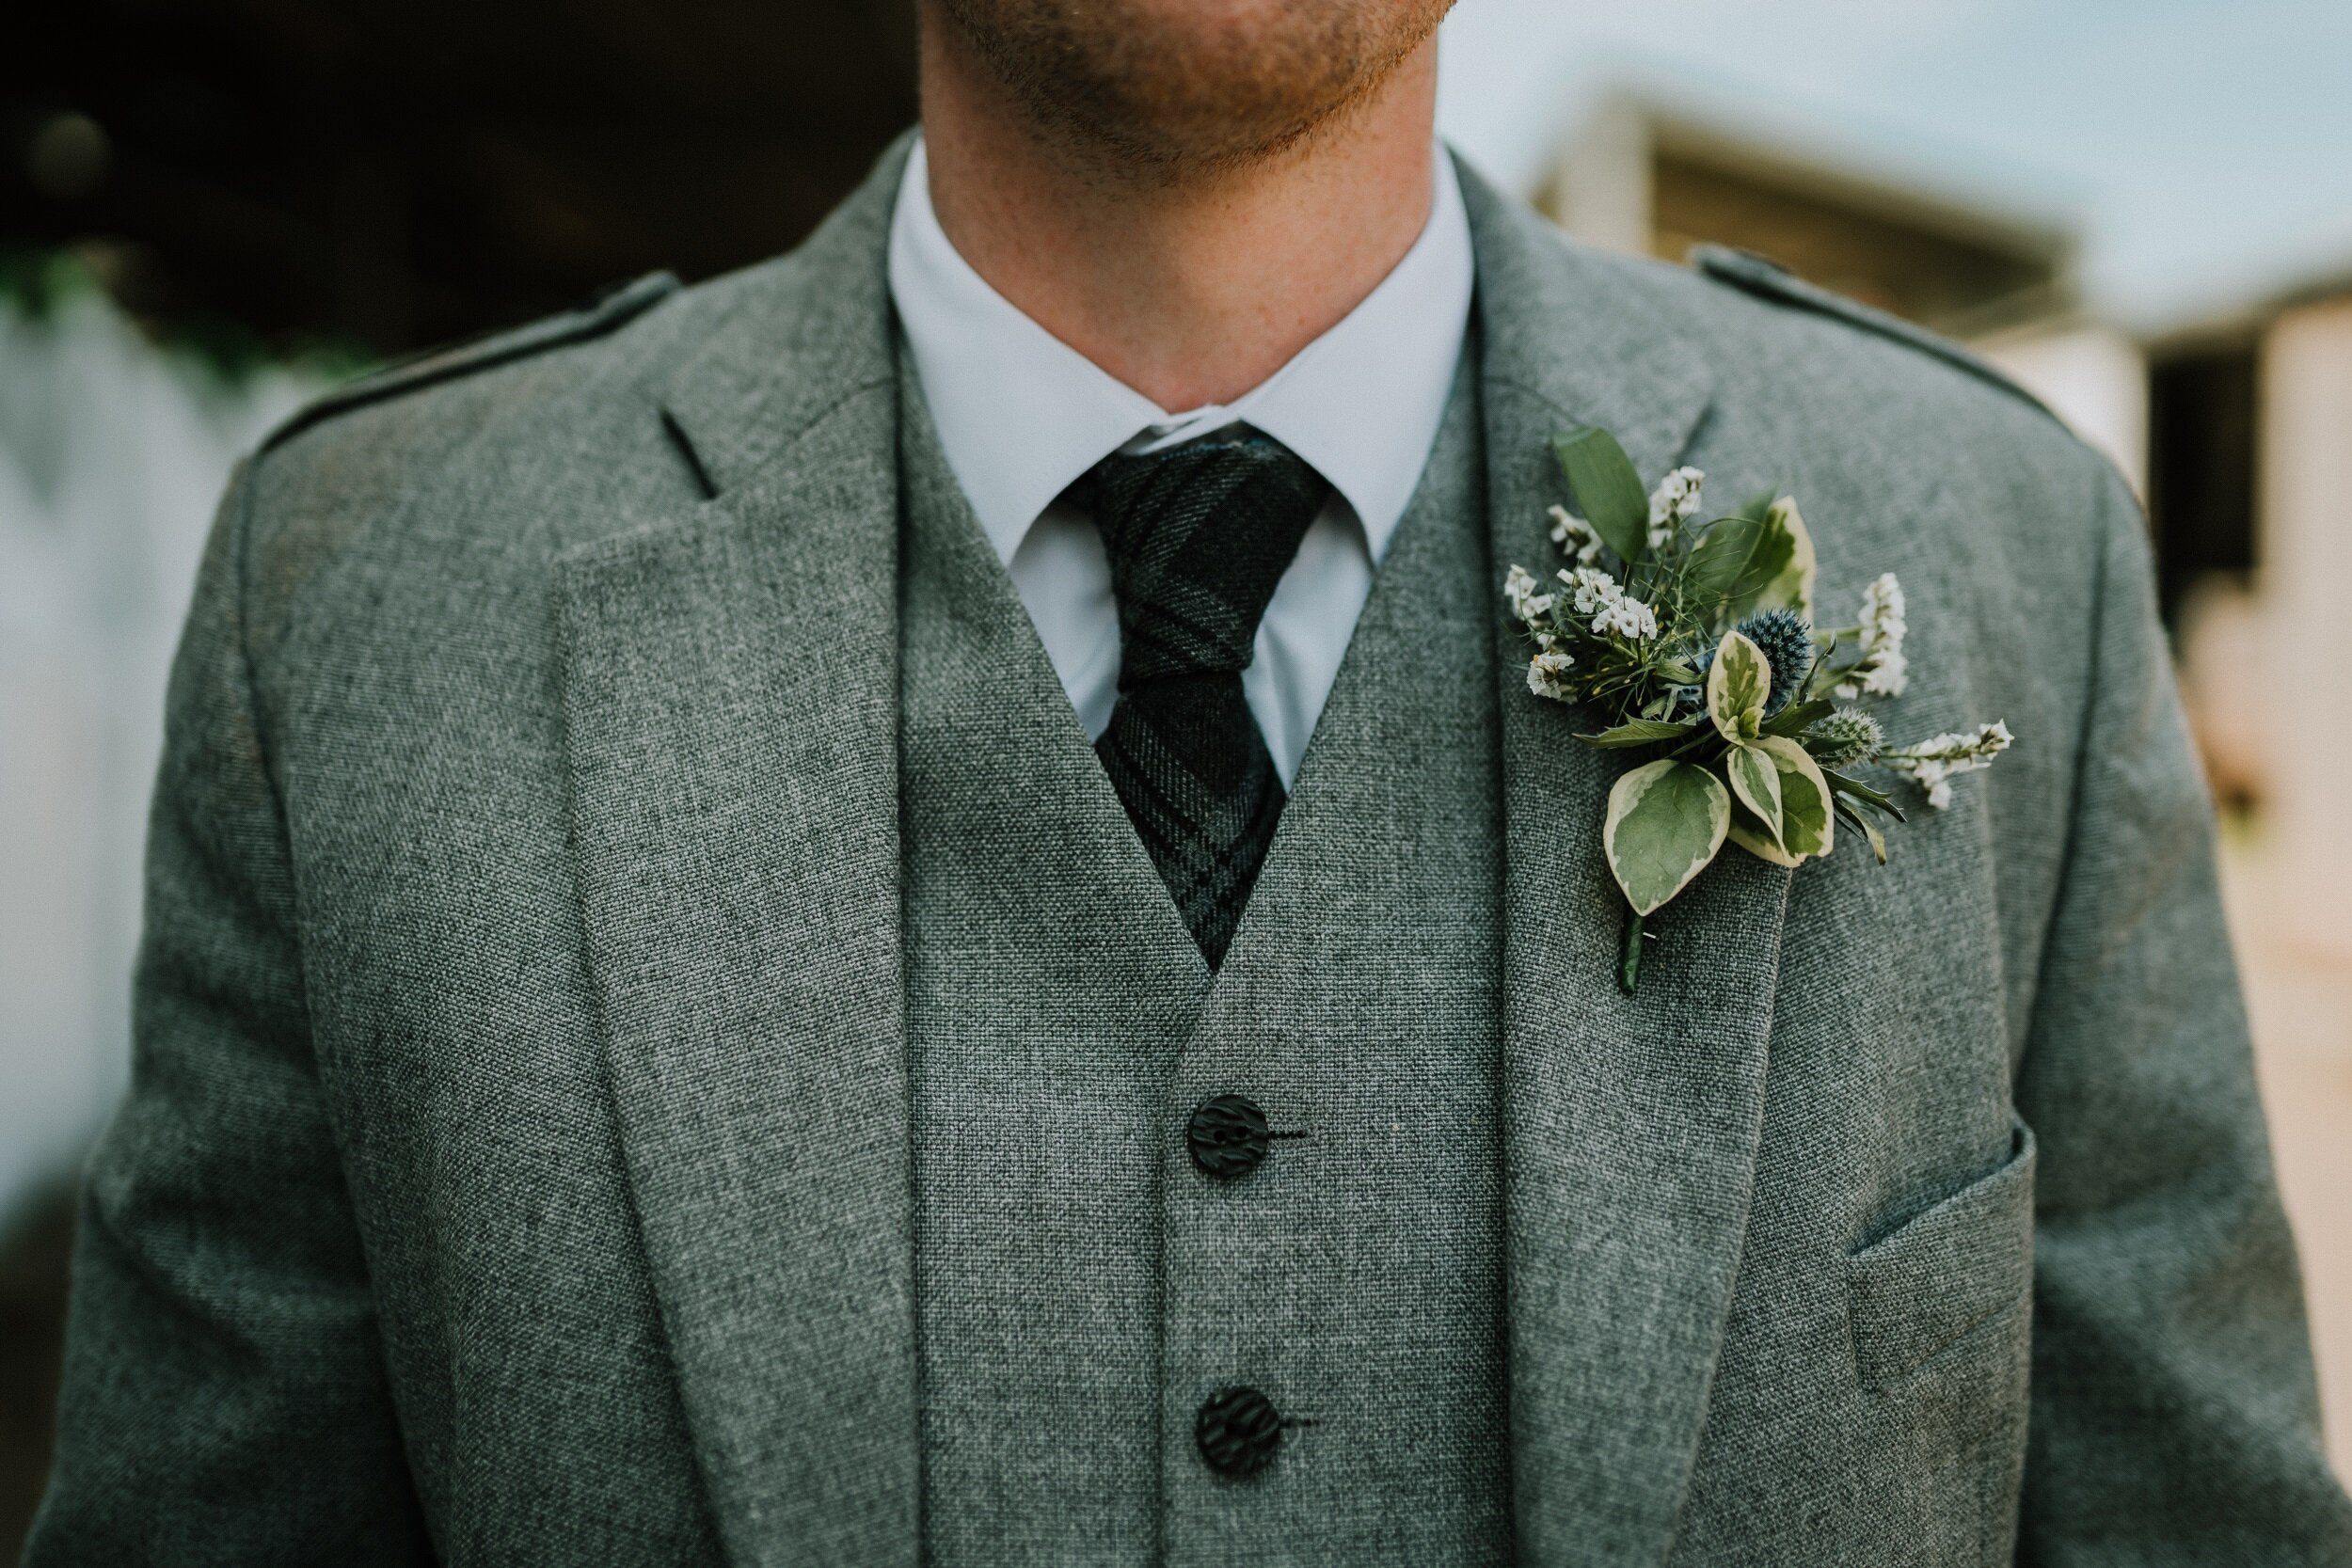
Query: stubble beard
column 1170, row 91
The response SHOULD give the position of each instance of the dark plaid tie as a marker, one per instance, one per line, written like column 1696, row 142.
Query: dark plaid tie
column 1197, row 536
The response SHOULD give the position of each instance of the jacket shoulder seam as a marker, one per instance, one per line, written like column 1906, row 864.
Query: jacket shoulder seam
column 607, row 313
column 1769, row 281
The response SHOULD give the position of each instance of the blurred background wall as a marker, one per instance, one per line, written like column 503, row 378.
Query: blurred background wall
column 210, row 208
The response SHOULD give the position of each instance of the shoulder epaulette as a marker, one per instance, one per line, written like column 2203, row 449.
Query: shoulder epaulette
column 1767, row 279
column 600, row 315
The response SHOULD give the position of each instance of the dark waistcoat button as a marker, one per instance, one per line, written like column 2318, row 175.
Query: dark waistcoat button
column 1237, row 1430
column 1227, row 1135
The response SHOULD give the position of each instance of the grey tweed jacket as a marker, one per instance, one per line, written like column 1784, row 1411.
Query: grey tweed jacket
column 515, row 1168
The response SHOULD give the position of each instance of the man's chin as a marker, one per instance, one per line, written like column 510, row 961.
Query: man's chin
column 1181, row 86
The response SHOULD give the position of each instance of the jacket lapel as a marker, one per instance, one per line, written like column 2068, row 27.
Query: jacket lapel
column 731, row 700
column 1629, row 1124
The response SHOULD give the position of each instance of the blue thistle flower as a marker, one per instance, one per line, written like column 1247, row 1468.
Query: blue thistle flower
column 1787, row 639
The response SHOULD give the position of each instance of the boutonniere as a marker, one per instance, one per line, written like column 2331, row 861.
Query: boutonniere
column 1692, row 644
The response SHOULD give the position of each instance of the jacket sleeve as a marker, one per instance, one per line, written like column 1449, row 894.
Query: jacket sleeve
column 2174, row 1415
column 224, row 1398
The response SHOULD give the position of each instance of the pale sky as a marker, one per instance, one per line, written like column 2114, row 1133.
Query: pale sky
column 2203, row 148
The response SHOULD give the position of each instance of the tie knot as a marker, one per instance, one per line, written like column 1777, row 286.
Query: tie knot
column 1197, row 536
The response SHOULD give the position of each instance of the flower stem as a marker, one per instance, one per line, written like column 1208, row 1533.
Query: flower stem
column 1630, row 954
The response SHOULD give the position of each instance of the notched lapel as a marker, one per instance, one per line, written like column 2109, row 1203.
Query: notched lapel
column 731, row 701
column 1630, row 1124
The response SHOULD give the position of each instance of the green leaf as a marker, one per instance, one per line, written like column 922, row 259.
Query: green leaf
column 1630, row 954
column 1756, row 784
column 1720, row 555
column 1870, row 829
column 1797, row 718
column 1793, row 589
column 1607, row 488
column 1863, row 792
column 1638, row 732
column 1666, row 820
column 1748, row 832
column 1734, row 562
column 1737, row 684
column 1806, row 827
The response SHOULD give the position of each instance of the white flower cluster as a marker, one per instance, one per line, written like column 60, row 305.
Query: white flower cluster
column 1933, row 764
column 1673, row 503
column 1596, row 594
column 1884, row 672
column 1543, row 671
column 1575, row 535
column 1531, row 605
column 1527, row 602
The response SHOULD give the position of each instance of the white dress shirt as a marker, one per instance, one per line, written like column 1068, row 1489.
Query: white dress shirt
column 1021, row 414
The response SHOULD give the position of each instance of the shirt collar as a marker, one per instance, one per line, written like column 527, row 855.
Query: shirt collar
column 1021, row 414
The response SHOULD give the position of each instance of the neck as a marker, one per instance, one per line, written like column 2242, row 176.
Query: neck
column 1191, row 290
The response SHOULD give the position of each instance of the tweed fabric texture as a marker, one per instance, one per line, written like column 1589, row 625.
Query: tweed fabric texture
column 1073, row 1295
column 1050, row 988
column 1197, row 538
column 1356, row 1275
column 1743, row 1180
column 516, row 1164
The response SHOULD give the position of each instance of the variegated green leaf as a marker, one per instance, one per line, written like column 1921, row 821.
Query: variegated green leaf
column 1806, row 825
column 1737, row 684
column 1666, row 820
column 1793, row 589
column 1749, row 835
column 1756, row 784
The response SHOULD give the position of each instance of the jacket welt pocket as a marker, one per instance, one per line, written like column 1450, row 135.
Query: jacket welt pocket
column 1943, row 1274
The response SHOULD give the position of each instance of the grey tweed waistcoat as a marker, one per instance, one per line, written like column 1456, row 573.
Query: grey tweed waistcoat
column 1081, row 1286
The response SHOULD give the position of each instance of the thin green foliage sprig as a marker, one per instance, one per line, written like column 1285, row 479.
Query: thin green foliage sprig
column 1691, row 642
